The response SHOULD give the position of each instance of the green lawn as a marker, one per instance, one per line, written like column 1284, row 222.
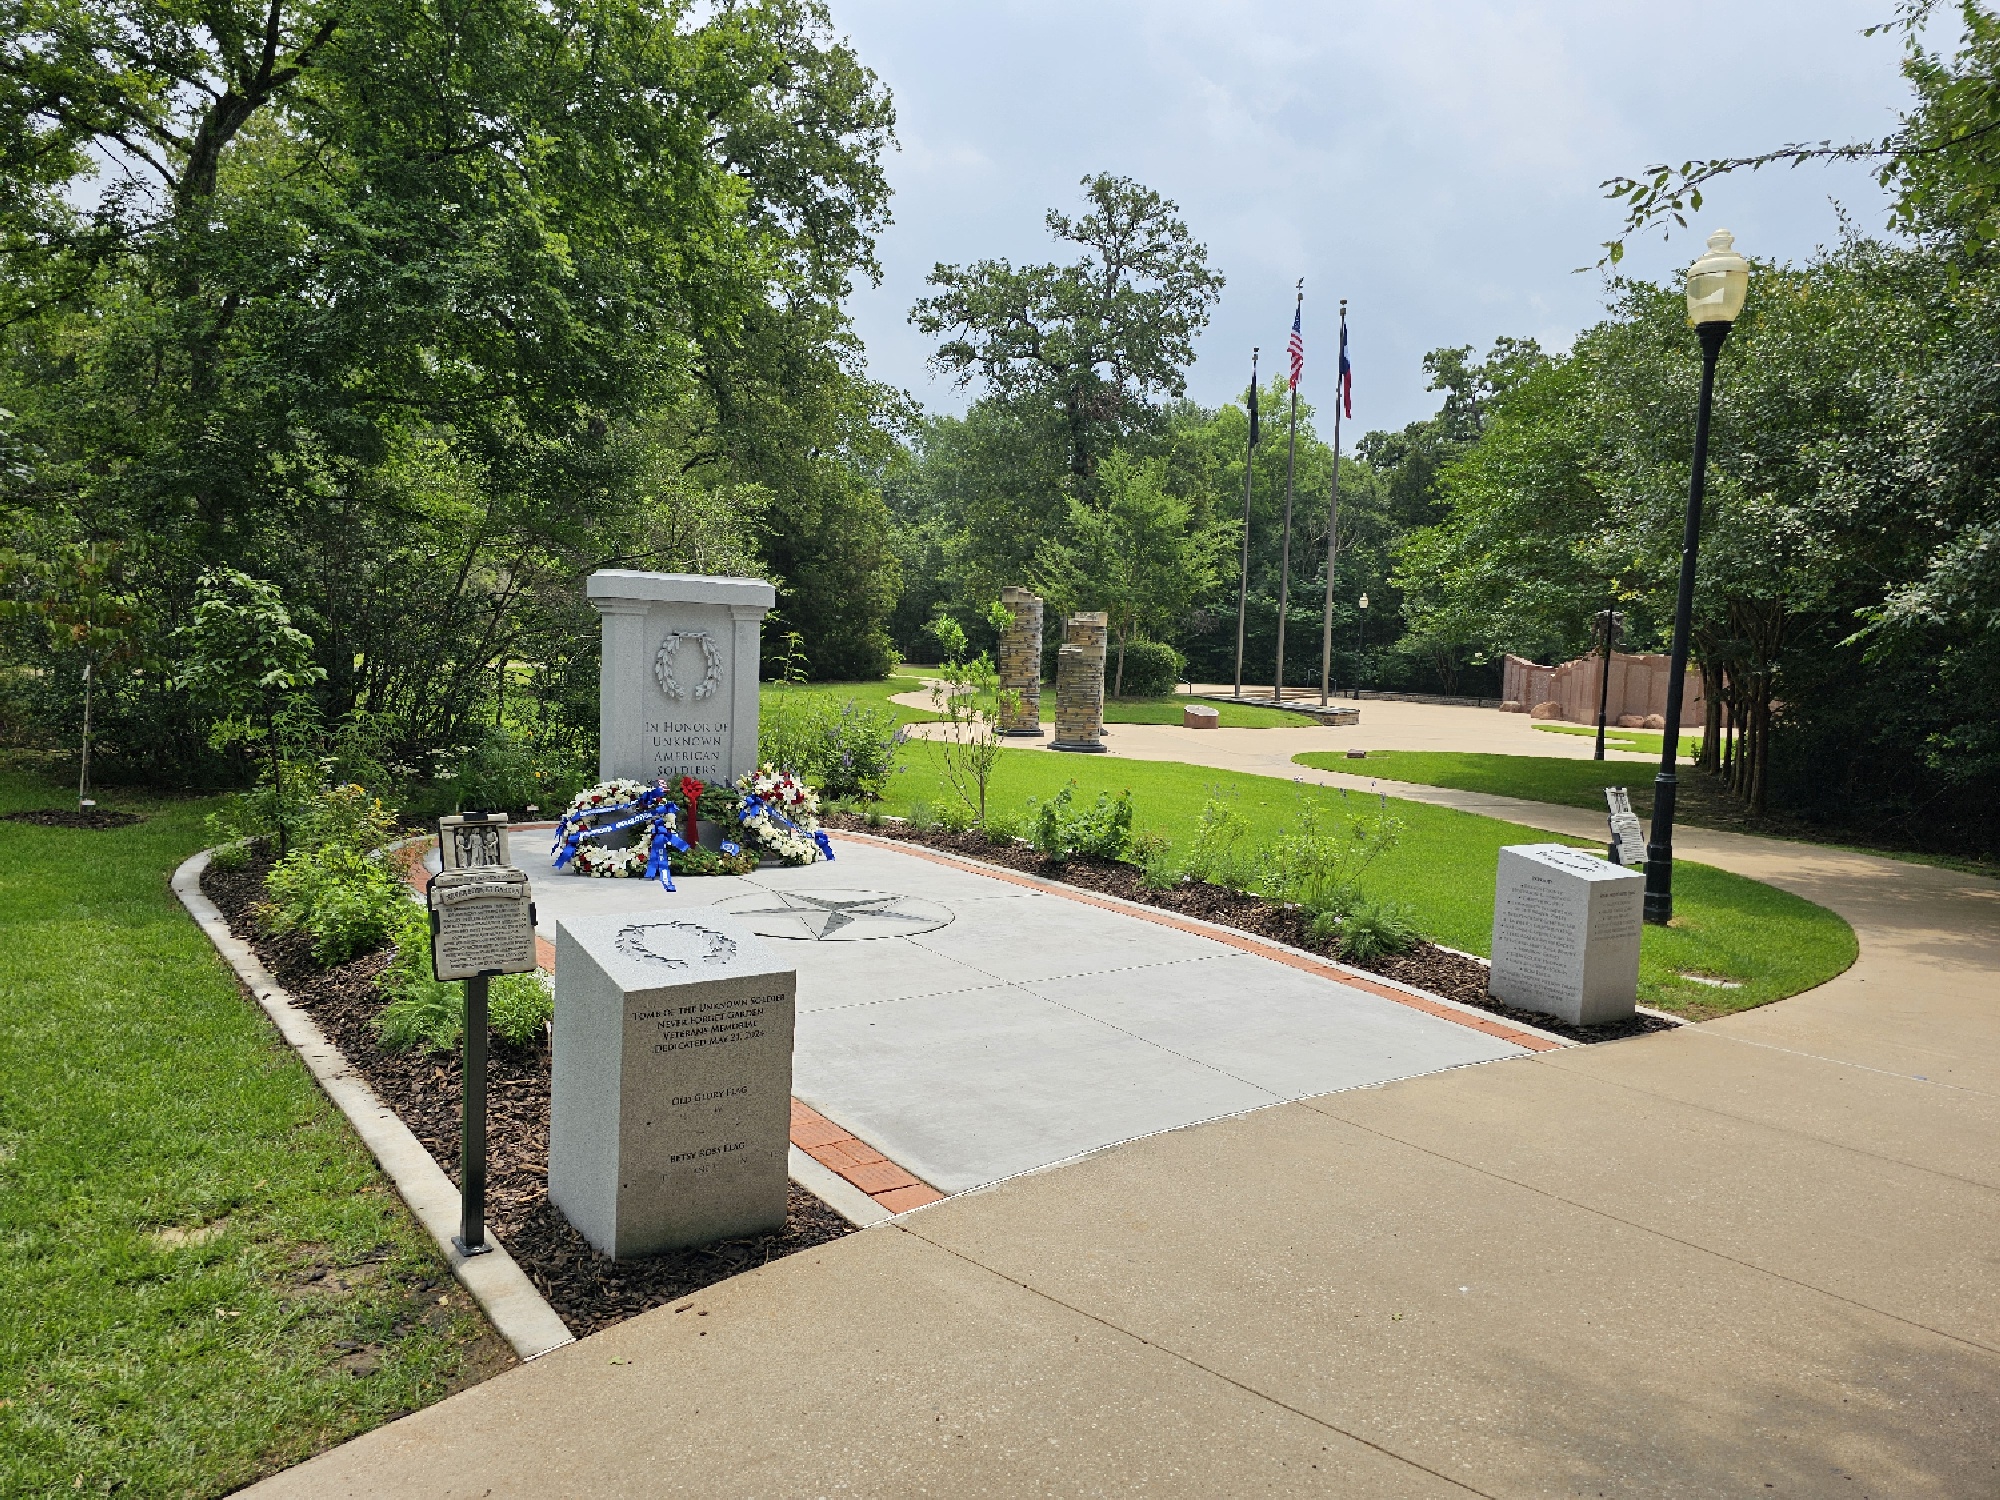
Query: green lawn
column 170, row 1181
column 1536, row 778
column 1638, row 741
column 868, row 694
column 1116, row 710
column 1769, row 942
column 1168, row 711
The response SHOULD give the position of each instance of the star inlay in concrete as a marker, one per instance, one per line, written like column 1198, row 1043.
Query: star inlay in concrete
column 838, row 916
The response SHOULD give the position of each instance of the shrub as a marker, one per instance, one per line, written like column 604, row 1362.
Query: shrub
column 347, row 902
column 346, row 817
column 849, row 751
column 1151, row 668
column 1152, row 852
column 1058, row 829
column 1217, row 853
column 507, row 768
column 429, row 1013
column 1318, row 863
column 228, row 858
column 1374, row 928
column 999, row 829
column 854, row 750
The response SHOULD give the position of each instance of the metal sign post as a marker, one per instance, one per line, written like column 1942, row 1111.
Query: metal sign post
column 482, row 924
column 472, row 1124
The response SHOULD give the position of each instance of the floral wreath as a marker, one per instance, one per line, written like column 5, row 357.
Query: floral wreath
column 781, row 814
column 663, row 663
column 627, row 804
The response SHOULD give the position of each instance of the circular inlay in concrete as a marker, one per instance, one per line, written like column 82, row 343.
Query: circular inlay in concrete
column 836, row 916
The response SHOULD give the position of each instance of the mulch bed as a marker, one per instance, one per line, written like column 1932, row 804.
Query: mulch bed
column 1426, row 966
column 74, row 817
column 589, row 1290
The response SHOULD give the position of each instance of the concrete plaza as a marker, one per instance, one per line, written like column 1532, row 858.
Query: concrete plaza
column 1749, row 1257
column 970, row 1028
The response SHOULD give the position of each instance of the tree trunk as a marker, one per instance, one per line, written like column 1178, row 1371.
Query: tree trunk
column 1710, row 758
column 1761, row 776
column 1118, row 683
column 277, row 775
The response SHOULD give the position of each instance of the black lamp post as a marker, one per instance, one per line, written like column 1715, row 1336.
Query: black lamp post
column 1360, row 636
column 1716, row 287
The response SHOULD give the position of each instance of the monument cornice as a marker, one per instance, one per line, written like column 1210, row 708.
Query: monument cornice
column 610, row 587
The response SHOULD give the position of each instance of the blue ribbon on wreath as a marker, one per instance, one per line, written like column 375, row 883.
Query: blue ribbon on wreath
column 753, row 805
column 655, row 805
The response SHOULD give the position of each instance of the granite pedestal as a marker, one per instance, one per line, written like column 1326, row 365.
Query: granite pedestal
column 1566, row 928
column 671, row 1093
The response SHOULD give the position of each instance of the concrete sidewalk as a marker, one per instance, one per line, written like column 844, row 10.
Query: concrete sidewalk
column 1386, row 724
column 1751, row 1257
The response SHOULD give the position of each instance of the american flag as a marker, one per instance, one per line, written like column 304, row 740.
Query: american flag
column 1297, row 348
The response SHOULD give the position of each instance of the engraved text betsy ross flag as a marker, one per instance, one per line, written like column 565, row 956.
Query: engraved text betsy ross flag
column 1297, row 348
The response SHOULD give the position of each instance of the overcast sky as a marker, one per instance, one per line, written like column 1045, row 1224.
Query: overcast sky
column 1434, row 161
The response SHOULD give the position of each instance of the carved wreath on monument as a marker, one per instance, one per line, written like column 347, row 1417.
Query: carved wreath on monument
column 670, row 646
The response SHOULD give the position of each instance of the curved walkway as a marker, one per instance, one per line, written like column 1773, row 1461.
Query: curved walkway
column 1749, row 1257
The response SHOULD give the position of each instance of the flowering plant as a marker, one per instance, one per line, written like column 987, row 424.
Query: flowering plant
column 602, row 860
column 781, row 814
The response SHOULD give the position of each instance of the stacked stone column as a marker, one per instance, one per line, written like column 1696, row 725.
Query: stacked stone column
column 1080, row 684
column 1021, row 663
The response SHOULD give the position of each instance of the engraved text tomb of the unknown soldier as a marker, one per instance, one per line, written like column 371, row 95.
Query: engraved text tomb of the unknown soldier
column 1566, row 934
column 677, row 691
column 671, row 1094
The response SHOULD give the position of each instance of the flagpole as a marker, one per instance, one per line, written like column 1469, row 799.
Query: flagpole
column 1332, row 522
column 1243, row 584
column 1285, row 551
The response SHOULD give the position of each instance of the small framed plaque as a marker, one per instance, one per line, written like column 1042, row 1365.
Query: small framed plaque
column 468, row 841
column 482, row 922
column 1628, row 838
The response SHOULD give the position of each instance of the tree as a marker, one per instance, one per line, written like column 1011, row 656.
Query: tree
column 1137, row 554
column 1096, row 340
column 408, row 308
column 1942, row 162
column 85, row 609
column 242, row 652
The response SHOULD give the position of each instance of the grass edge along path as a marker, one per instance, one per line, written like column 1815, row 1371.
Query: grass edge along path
column 1161, row 710
column 206, row 1277
column 1766, row 942
column 1703, row 801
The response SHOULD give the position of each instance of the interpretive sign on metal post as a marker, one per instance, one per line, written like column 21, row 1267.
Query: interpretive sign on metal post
column 482, row 924
column 1628, row 838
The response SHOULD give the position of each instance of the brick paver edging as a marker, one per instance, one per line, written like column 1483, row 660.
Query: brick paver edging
column 892, row 1188
column 1434, row 1005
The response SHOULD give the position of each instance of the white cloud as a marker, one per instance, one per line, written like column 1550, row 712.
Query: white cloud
column 1436, row 161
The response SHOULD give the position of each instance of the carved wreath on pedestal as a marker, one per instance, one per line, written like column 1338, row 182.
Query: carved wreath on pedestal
column 663, row 663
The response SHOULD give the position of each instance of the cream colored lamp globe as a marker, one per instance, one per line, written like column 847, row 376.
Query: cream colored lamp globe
column 1364, row 601
column 1718, row 282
